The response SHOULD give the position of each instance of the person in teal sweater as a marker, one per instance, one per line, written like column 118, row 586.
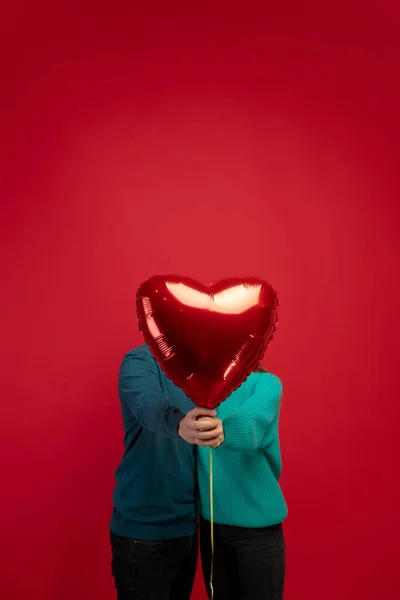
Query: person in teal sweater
column 249, row 507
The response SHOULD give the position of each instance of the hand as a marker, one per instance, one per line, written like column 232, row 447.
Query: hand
column 201, row 427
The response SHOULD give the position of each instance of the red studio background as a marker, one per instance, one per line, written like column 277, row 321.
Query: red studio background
column 207, row 140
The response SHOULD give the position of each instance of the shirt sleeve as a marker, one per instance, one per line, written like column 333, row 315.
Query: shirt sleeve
column 139, row 388
column 253, row 424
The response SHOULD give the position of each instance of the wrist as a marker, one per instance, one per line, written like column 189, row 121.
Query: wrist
column 178, row 429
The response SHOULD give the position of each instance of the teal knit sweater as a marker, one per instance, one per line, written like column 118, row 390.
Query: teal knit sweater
column 247, row 466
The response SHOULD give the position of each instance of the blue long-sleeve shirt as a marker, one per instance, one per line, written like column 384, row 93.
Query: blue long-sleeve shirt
column 155, row 492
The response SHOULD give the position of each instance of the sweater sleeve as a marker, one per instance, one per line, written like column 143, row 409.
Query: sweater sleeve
column 140, row 390
column 252, row 425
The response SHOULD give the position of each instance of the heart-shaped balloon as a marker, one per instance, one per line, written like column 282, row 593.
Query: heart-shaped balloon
column 207, row 339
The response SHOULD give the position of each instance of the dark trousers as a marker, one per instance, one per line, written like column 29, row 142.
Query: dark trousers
column 154, row 570
column 249, row 564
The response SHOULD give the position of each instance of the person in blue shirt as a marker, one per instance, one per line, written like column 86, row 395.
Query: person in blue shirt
column 249, row 507
column 153, row 528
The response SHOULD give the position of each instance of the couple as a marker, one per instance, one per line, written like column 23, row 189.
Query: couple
column 163, row 486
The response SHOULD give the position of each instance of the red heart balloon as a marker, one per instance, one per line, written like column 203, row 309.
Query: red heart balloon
column 207, row 339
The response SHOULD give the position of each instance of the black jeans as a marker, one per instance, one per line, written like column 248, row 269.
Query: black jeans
column 249, row 564
column 154, row 570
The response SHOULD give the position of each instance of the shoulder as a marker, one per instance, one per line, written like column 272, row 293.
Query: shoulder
column 140, row 352
column 140, row 355
column 265, row 383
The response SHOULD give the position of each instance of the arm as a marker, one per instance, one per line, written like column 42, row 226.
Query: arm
column 251, row 426
column 140, row 390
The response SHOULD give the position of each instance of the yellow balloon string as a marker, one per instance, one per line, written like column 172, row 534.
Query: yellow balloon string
column 212, row 527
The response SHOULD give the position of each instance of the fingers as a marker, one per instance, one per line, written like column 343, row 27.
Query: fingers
column 213, row 443
column 219, row 442
column 198, row 412
column 207, row 423
column 205, row 436
column 208, row 428
column 210, row 437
